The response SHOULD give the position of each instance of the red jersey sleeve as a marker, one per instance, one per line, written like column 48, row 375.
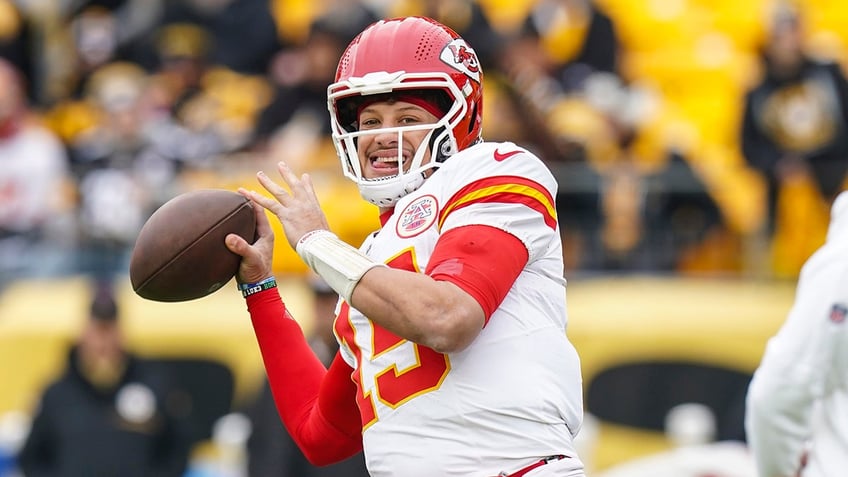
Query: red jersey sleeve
column 482, row 260
column 317, row 405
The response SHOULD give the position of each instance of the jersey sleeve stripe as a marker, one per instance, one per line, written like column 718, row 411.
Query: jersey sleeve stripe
column 503, row 189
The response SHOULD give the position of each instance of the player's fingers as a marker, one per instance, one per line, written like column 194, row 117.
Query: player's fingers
column 275, row 206
column 264, row 235
column 275, row 189
column 287, row 174
column 256, row 260
column 263, row 225
column 295, row 183
column 306, row 181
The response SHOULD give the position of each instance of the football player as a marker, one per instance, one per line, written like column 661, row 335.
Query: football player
column 797, row 403
column 454, row 357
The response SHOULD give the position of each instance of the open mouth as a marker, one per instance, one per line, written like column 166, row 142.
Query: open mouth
column 384, row 163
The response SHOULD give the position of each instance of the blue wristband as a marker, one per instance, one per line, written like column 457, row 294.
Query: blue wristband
column 248, row 289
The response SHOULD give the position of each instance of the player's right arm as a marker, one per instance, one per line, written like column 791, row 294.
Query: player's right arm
column 316, row 404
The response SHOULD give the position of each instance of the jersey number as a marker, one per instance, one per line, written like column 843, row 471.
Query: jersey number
column 393, row 386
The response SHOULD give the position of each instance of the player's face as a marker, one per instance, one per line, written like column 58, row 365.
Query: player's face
column 379, row 153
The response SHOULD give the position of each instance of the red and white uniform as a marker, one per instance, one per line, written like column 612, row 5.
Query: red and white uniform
column 514, row 395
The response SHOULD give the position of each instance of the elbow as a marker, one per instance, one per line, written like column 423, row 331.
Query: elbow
column 318, row 458
column 450, row 332
column 772, row 394
column 327, row 451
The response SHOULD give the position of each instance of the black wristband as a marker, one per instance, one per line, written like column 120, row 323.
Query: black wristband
column 248, row 289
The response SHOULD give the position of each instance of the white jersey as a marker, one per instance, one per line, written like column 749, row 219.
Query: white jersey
column 798, row 398
column 515, row 394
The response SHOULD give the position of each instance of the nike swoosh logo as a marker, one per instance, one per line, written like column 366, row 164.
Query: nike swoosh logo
column 502, row 156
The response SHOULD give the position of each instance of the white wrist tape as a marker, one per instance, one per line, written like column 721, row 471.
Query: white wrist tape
column 339, row 264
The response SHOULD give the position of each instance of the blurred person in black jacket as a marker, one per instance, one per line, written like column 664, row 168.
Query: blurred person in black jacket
column 795, row 120
column 105, row 416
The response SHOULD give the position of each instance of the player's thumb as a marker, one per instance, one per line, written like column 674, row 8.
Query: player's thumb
column 236, row 244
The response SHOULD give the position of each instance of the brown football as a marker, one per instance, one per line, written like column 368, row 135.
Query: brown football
column 180, row 255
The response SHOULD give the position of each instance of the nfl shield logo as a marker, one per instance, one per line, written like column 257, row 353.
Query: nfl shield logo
column 417, row 217
column 838, row 312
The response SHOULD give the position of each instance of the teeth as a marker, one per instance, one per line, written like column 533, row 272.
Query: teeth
column 386, row 159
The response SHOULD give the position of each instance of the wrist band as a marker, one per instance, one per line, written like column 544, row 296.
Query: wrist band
column 338, row 263
column 248, row 289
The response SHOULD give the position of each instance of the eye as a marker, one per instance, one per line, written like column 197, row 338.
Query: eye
column 369, row 123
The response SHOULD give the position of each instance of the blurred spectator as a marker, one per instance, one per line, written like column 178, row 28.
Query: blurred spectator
column 33, row 185
column 271, row 451
column 121, row 176
column 297, row 114
column 242, row 33
column 579, row 37
column 795, row 133
column 120, row 425
column 563, row 50
column 18, row 43
column 466, row 17
column 103, row 31
column 628, row 200
column 205, row 110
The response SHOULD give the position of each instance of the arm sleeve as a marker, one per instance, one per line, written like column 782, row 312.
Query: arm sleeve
column 482, row 260
column 317, row 406
column 791, row 377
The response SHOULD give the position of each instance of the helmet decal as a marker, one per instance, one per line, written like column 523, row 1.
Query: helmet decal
column 459, row 55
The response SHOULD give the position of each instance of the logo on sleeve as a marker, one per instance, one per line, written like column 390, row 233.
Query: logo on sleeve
column 838, row 312
column 417, row 217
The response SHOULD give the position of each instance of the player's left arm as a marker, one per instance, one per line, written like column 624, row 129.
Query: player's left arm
column 500, row 215
column 469, row 274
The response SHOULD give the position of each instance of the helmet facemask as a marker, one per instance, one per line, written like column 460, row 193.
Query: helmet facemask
column 386, row 191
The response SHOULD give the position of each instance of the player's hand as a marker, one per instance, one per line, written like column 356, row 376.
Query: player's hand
column 805, row 457
column 257, row 259
column 297, row 209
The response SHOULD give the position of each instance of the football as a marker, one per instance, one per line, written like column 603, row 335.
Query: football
column 180, row 255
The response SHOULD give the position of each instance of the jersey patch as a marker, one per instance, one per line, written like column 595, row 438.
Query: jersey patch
column 417, row 217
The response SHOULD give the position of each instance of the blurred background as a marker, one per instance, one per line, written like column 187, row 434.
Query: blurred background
column 697, row 144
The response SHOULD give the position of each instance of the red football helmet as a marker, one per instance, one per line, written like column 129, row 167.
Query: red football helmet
column 411, row 55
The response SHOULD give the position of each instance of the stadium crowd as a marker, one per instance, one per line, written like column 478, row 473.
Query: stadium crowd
column 688, row 137
column 130, row 102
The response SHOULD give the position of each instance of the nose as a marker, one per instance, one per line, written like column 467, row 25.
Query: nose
column 387, row 138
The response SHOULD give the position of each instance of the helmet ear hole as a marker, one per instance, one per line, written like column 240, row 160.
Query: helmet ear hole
column 442, row 147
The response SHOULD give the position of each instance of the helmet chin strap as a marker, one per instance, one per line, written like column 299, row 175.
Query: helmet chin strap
column 386, row 193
